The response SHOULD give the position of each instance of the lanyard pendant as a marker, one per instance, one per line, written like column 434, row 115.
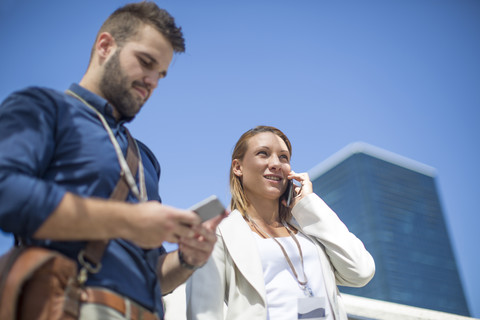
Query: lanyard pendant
column 307, row 290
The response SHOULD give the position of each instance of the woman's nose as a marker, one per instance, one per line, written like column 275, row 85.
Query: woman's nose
column 275, row 162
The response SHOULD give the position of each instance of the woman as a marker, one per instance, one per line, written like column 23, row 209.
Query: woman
column 273, row 261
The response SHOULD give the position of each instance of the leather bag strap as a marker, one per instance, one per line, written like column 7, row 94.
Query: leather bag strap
column 94, row 250
column 121, row 190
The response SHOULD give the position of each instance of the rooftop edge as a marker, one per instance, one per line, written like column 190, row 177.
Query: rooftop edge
column 376, row 152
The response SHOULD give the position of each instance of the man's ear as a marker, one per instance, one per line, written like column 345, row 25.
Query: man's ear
column 237, row 167
column 105, row 45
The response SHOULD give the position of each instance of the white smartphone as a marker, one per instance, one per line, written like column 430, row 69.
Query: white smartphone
column 208, row 208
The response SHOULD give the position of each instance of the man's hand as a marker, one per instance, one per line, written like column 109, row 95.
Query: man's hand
column 197, row 249
column 155, row 223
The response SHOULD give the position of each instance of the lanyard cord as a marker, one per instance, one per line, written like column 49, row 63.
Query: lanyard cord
column 302, row 284
column 125, row 170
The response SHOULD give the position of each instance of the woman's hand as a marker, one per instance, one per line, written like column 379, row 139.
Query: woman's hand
column 304, row 189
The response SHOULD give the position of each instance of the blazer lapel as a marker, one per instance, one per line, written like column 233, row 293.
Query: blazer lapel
column 242, row 247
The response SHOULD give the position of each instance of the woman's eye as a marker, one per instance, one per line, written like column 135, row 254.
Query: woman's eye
column 262, row 153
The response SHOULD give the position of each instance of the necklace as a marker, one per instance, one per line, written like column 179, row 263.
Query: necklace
column 141, row 193
column 302, row 284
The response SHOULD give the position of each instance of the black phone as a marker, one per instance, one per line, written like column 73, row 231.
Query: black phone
column 208, row 208
column 290, row 192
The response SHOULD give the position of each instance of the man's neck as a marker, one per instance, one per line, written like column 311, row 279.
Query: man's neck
column 93, row 87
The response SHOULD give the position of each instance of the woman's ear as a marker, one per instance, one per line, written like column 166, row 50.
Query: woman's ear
column 237, row 167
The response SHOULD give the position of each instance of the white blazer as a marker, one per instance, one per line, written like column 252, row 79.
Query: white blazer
column 231, row 285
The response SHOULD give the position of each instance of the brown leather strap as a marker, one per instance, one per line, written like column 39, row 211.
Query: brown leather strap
column 6, row 262
column 117, row 302
column 121, row 190
column 94, row 250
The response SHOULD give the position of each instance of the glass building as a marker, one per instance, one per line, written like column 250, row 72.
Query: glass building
column 391, row 203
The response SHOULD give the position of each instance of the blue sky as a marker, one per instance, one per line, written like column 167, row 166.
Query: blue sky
column 400, row 75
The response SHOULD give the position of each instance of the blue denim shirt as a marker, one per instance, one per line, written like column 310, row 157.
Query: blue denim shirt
column 51, row 143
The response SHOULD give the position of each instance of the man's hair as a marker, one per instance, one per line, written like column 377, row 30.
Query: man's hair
column 125, row 22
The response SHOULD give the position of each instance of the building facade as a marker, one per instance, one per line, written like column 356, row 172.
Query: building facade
column 391, row 203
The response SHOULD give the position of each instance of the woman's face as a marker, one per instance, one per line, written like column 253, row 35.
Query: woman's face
column 265, row 167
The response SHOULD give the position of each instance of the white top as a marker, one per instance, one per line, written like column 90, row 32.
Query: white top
column 282, row 288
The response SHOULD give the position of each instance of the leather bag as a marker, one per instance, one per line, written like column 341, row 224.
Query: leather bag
column 43, row 280
column 41, row 284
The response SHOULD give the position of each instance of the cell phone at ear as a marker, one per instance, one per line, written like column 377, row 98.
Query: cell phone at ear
column 208, row 208
column 290, row 192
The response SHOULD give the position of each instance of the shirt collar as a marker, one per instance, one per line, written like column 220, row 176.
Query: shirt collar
column 99, row 103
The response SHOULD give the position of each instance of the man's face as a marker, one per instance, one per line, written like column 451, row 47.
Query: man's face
column 132, row 72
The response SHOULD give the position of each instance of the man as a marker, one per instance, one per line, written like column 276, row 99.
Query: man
column 58, row 167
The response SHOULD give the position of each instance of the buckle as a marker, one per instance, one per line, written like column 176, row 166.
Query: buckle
column 86, row 267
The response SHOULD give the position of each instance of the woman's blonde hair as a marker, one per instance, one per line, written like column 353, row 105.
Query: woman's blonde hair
column 239, row 200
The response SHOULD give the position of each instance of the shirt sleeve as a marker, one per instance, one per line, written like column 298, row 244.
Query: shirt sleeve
column 27, row 143
column 353, row 264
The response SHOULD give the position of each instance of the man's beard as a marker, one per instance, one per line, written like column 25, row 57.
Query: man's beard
column 116, row 88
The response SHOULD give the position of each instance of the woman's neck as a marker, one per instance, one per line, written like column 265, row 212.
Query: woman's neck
column 263, row 217
column 265, row 211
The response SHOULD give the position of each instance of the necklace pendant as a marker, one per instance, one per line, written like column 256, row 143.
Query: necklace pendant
column 307, row 291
